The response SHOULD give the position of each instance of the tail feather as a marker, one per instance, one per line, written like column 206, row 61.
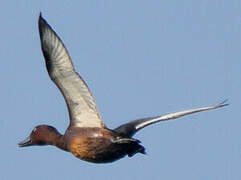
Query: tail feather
column 136, row 149
column 131, row 146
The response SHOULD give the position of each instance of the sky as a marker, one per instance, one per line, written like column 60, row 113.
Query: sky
column 140, row 59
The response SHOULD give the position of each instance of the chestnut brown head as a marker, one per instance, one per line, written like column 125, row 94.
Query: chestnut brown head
column 40, row 135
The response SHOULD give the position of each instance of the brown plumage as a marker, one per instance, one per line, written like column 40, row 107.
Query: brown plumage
column 87, row 137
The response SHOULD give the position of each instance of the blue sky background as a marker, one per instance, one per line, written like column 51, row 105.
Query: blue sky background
column 140, row 59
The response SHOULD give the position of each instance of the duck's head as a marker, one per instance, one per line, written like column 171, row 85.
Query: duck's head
column 40, row 135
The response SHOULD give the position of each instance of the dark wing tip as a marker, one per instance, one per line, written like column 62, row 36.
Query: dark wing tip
column 41, row 19
column 42, row 24
column 222, row 104
column 45, row 31
column 44, row 27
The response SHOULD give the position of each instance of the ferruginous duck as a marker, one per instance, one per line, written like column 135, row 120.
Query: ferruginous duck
column 87, row 137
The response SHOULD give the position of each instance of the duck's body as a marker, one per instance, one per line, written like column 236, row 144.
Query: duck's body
column 100, row 145
column 87, row 137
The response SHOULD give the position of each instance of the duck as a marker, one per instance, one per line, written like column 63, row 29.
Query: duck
column 87, row 137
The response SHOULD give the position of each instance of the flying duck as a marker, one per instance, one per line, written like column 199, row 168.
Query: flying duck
column 87, row 137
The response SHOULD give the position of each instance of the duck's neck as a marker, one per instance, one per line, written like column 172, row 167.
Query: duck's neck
column 56, row 139
column 60, row 143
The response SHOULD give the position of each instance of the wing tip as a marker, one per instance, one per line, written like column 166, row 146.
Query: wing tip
column 44, row 27
column 221, row 104
column 42, row 23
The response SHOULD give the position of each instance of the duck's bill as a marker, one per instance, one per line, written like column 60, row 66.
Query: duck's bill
column 26, row 142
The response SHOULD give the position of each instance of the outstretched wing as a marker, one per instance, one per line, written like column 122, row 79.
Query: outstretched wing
column 129, row 129
column 81, row 104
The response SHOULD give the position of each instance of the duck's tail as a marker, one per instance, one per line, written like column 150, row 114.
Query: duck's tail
column 136, row 149
column 132, row 146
